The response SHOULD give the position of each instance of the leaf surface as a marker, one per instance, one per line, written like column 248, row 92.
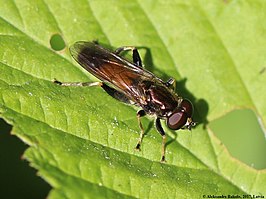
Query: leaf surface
column 81, row 140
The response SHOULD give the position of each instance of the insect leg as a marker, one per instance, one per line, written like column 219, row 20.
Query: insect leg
column 140, row 114
column 111, row 91
column 77, row 83
column 116, row 94
column 95, row 41
column 161, row 131
column 136, row 57
column 171, row 83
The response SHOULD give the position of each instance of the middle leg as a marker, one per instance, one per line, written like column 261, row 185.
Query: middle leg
column 140, row 114
column 171, row 83
column 136, row 57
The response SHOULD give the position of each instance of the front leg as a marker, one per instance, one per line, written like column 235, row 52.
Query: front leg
column 161, row 131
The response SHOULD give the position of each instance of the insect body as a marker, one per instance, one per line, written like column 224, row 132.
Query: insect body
column 131, row 83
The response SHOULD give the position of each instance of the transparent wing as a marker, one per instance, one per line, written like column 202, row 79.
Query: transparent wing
column 110, row 67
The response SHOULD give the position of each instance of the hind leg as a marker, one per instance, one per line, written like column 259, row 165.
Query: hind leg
column 111, row 91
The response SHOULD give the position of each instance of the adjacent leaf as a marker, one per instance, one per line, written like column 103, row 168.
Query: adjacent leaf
column 81, row 140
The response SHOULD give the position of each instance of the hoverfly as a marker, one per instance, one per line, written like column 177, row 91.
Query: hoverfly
column 130, row 83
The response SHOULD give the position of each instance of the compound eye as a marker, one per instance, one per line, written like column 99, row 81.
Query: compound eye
column 187, row 106
column 177, row 120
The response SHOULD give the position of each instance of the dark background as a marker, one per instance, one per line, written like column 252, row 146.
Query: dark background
column 17, row 178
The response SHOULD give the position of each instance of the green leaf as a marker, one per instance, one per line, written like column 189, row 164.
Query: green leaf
column 81, row 140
